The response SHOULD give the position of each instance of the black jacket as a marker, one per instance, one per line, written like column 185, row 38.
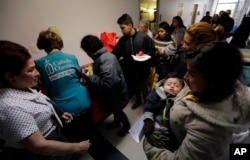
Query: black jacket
column 128, row 46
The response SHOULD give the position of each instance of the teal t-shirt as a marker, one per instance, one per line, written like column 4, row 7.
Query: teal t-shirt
column 61, row 74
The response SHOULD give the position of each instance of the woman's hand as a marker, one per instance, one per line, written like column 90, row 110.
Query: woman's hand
column 67, row 117
column 84, row 146
column 160, row 51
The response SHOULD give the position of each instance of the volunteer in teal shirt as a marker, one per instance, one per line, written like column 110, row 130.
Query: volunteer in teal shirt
column 61, row 75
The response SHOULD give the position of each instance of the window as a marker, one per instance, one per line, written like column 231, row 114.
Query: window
column 224, row 5
column 238, row 8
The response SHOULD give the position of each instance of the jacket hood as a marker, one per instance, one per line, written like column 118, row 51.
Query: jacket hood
column 98, row 53
column 232, row 113
column 159, row 89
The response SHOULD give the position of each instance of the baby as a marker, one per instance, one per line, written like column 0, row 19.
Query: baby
column 156, row 109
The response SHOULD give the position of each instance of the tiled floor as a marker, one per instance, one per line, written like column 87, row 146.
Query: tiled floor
column 126, row 145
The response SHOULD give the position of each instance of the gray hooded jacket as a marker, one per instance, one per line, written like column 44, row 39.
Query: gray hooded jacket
column 205, row 131
column 108, row 81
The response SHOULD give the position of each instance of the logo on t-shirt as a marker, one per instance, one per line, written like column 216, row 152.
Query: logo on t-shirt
column 59, row 69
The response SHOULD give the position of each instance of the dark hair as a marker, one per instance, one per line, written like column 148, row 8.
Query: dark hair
column 221, row 65
column 125, row 19
column 49, row 40
column 91, row 43
column 13, row 58
column 175, row 75
column 180, row 22
column 167, row 28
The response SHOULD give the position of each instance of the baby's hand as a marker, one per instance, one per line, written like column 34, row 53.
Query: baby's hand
column 148, row 126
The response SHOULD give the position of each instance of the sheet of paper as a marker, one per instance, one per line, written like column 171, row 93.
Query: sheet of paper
column 136, row 131
column 145, row 57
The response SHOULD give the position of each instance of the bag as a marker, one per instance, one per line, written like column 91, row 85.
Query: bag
column 109, row 40
column 162, row 138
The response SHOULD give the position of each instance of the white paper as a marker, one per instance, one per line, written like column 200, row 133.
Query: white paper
column 136, row 131
column 141, row 58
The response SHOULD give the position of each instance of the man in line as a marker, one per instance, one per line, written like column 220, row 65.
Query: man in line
column 136, row 72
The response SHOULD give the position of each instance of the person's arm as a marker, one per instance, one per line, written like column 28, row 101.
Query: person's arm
column 21, row 128
column 36, row 143
column 150, row 34
column 169, row 50
column 107, row 80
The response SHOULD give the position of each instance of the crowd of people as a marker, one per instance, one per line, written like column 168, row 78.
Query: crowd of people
column 199, row 104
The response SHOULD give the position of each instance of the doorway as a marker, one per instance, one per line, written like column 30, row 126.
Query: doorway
column 148, row 11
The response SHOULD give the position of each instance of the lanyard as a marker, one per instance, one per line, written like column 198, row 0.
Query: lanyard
column 54, row 111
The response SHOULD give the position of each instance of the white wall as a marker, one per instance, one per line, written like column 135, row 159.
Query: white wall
column 22, row 20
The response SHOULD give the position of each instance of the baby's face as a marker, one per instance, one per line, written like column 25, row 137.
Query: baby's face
column 173, row 86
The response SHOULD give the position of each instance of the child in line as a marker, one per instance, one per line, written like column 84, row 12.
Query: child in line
column 157, row 108
column 108, row 82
